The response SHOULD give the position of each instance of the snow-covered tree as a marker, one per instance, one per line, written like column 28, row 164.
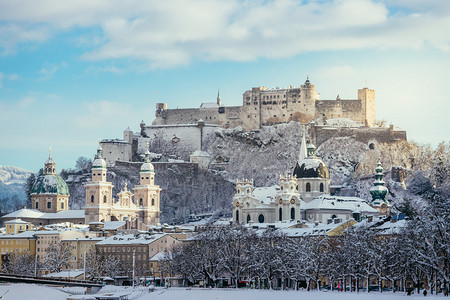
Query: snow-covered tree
column 57, row 257
column 19, row 263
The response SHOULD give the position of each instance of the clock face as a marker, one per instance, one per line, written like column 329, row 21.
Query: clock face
column 293, row 201
column 280, row 201
column 237, row 204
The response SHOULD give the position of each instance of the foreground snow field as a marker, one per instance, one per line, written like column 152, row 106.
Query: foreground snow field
column 39, row 292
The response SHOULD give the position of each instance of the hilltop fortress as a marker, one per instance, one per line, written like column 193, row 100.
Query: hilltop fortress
column 263, row 106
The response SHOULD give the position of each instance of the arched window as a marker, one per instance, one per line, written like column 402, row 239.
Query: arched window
column 92, row 198
column 292, row 213
column 308, row 187
column 333, row 216
column 248, row 218
column 37, row 205
column 104, row 199
column 280, row 214
column 237, row 216
column 261, row 218
column 153, row 202
column 140, row 202
column 296, row 187
column 321, row 187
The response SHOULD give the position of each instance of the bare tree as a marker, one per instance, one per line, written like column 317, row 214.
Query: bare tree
column 57, row 257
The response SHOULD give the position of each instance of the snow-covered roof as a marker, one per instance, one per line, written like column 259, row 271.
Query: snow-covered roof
column 36, row 214
column 158, row 256
column 113, row 225
column 25, row 234
column 200, row 153
column 131, row 239
column 311, row 229
column 66, row 273
column 16, row 221
column 353, row 204
column 264, row 194
column 209, row 105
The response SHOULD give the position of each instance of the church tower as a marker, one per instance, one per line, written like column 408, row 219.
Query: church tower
column 147, row 194
column 98, row 192
column 379, row 192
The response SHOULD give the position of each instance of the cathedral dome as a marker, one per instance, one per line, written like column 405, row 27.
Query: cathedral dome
column 311, row 167
column 50, row 184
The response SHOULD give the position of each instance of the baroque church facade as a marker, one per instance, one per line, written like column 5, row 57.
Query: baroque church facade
column 142, row 206
column 304, row 196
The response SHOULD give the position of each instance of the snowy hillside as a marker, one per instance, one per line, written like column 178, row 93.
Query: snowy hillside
column 11, row 175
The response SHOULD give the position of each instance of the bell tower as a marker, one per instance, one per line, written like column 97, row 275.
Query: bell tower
column 147, row 194
column 98, row 192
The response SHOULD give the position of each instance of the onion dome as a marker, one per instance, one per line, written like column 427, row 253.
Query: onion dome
column 99, row 162
column 310, row 166
column 379, row 191
column 49, row 182
column 147, row 166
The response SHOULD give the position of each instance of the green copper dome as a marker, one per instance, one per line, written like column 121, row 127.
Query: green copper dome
column 50, row 184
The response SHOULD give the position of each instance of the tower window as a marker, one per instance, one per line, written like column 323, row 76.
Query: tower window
column 292, row 213
column 92, row 198
column 280, row 214
column 140, row 202
column 37, row 205
column 237, row 216
column 104, row 199
column 153, row 202
column 49, row 205
column 62, row 205
column 321, row 187
column 248, row 218
column 308, row 187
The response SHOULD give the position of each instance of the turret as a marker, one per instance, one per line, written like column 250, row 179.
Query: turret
column 219, row 101
column 49, row 166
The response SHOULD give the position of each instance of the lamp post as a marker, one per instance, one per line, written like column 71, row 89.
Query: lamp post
column 134, row 261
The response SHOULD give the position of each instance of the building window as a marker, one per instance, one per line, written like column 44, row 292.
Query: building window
column 62, row 205
column 237, row 216
column 37, row 205
column 292, row 213
column 280, row 214
column 321, row 187
column 261, row 218
column 92, row 198
column 153, row 202
column 140, row 202
column 308, row 187
column 104, row 199
column 248, row 218
column 49, row 205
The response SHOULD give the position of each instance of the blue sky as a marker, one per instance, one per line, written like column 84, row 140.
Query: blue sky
column 73, row 72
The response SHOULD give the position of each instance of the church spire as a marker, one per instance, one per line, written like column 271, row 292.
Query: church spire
column 302, row 154
column 219, row 101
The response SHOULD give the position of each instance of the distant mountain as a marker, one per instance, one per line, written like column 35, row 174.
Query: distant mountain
column 12, row 187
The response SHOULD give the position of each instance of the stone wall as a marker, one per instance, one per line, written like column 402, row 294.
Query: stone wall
column 367, row 135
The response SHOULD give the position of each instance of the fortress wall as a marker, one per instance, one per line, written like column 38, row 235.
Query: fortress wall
column 365, row 135
column 180, row 140
column 351, row 109
column 113, row 151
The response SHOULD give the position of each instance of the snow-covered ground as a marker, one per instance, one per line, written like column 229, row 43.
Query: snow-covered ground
column 39, row 292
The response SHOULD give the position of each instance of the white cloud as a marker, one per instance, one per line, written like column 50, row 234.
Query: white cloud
column 170, row 33
column 103, row 114
column 8, row 77
column 50, row 69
